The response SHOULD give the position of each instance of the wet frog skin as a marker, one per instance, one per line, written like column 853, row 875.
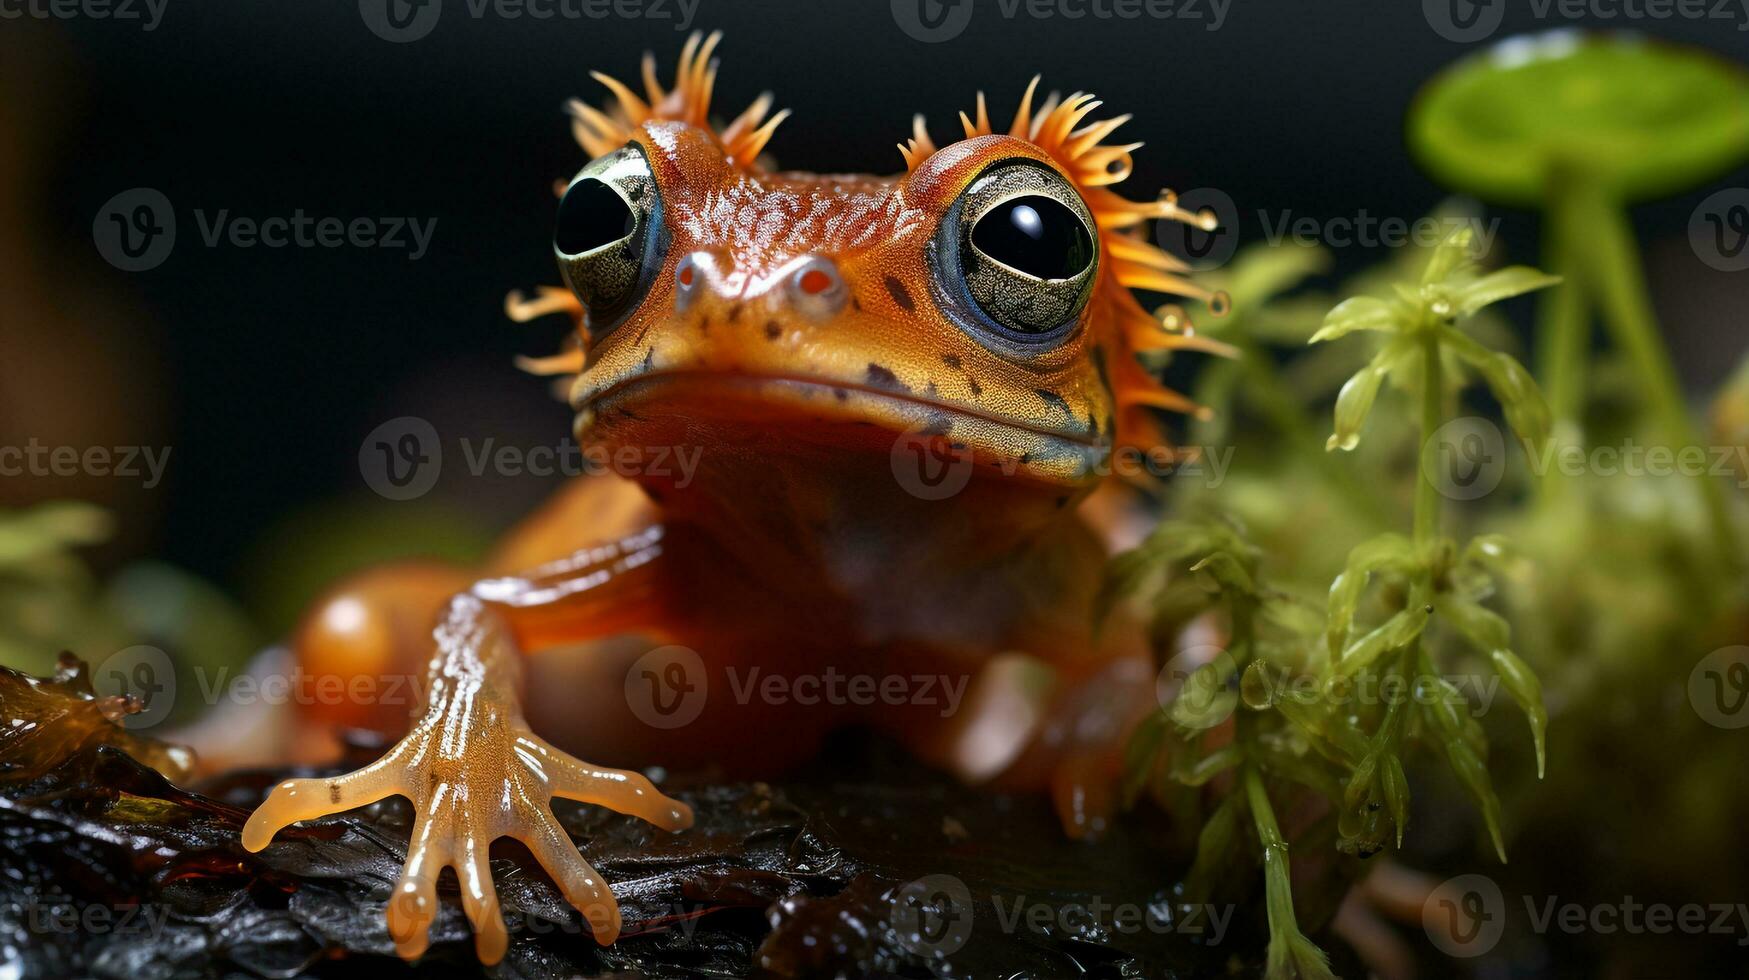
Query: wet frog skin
column 827, row 350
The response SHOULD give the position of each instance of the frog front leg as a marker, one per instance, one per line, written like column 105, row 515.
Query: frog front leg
column 471, row 766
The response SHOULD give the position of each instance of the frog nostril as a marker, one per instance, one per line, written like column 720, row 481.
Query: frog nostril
column 816, row 289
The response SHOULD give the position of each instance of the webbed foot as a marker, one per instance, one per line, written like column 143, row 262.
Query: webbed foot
column 476, row 773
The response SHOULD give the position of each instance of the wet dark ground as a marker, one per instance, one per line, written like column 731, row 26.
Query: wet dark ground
column 110, row 871
column 865, row 864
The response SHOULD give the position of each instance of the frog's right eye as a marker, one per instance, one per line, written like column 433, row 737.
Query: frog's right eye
column 609, row 237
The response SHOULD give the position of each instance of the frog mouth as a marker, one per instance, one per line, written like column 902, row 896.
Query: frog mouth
column 910, row 411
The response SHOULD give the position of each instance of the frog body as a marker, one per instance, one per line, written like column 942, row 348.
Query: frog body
column 900, row 397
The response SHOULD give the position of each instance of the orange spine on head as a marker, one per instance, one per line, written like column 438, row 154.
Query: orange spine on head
column 1131, row 262
column 601, row 131
column 689, row 102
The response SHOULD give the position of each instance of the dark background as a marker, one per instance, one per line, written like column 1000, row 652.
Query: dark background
column 265, row 368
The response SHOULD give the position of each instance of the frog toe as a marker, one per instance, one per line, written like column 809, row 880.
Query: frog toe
column 578, row 881
column 306, row 799
column 617, row 789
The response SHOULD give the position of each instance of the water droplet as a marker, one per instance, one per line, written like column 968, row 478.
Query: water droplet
column 1255, row 688
column 1220, row 304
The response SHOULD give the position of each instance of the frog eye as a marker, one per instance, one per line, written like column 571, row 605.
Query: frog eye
column 609, row 236
column 1018, row 251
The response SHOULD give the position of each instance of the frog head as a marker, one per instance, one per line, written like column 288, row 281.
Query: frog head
column 976, row 307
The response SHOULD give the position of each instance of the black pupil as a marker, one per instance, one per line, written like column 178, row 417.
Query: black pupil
column 1035, row 235
column 591, row 215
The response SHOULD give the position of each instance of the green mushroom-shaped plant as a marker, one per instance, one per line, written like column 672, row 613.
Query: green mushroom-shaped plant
column 1582, row 125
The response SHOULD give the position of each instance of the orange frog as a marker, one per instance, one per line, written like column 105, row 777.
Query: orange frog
column 900, row 394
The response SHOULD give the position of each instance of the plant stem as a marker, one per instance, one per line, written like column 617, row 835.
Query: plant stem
column 1432, row 410
column 1562, row 316
column 1617, row 276
column 1563, row 329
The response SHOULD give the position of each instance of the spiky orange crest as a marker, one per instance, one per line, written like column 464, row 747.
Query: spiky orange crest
column 1054, row 125
column 690, row 102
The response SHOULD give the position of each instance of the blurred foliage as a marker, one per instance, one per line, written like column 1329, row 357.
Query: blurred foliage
column 1610, row 586
column 51, row 601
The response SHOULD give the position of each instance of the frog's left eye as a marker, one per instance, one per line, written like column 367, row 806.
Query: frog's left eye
column 609, row 236
column 1016, row 255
